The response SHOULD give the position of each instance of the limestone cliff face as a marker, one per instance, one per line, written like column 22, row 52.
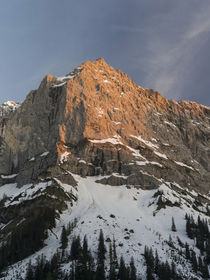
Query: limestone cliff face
column 96, row 120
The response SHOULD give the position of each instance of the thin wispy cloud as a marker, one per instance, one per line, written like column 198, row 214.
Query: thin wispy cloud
column 169, row 64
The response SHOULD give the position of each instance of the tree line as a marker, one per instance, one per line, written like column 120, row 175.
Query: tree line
column 28, row 237
column 82, row 264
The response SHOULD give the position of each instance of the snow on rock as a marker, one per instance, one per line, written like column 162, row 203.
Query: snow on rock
column 32, row 159
column 170, row 124
column 7, row 107
column 9, row 176
column 160, row 155
column 59, row 85
column 147, row 143
column 151, row 145
column 64, row 157
column 16, row 195
column 44, row 154
column 184, row 165
column 115, row 140
column 63, row 80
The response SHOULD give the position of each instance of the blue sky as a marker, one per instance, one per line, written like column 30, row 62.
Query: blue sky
column 160, row 44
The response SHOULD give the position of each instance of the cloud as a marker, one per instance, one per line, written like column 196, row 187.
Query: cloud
column 171, row 61
column 200, row 25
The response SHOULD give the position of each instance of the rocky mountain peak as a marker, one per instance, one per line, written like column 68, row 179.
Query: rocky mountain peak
column 99, row 115
column 91, row 151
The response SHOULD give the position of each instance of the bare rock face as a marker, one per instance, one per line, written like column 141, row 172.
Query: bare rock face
column 96, row 120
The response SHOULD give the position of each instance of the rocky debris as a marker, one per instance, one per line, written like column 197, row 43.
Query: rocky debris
column 97, row 121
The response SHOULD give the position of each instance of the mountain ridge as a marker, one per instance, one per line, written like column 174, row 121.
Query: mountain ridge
column 95, row 102
column 95, row 147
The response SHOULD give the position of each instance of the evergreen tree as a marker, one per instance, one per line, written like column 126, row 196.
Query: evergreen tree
column 132, row 270
column 205, row 271
column 173, row 271
column 112, row 273
column 100, row 271
column 75, row 248
column 173, row 226
column 29, row 273
column 194, row 261
column 188, row 227
column 208, row 250
column 200, row 263
column 101, row 247
column 115, row 260
column 85, row 251
column 72, row 271
column 157, row 262
column 82, row 271
column 149, row 258
column 187, row 251
column 150, row 274
column 122, row 270
column 64, row 238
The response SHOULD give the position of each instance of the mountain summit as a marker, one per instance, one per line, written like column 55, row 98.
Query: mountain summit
column 99, row 115
column 96, row 148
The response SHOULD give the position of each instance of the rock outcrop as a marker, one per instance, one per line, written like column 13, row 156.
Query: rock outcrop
column 96, row 120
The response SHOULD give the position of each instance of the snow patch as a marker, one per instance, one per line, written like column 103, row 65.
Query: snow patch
column 9, row 176
column 115, row 140
column 147, row 143
column 160, row 155
column 183, row 164
column 44, row 154
column 64, row 157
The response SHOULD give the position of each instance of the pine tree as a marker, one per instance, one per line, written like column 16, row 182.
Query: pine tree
column 149, row 274
column 112, row 274
column 122, row 270
column 173, row 270
column 187, row 251
column 115, row 260
column 149, row 258
column 91, row 267
column 100, row 271
column 157, row 262
column 200, row 264
column 101, row 247
column 72, row 271
column 75, row 248
column 132, row 270
column 194, row 261
column 29, row 273
column 64, row 238
column 82, row 271
column 208, row 251
column 85, row 251
column 173, row 226
column 205, row 271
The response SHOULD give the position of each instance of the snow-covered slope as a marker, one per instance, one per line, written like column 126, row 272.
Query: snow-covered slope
column 133, row 217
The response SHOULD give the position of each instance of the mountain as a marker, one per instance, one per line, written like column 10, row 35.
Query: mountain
column 94, row 151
